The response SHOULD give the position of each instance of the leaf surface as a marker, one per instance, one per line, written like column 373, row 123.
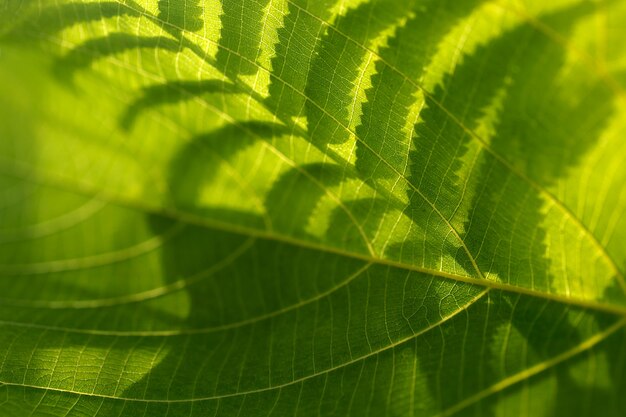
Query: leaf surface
column 282, row 207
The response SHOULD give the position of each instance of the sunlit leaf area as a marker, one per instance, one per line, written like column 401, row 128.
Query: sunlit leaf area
column 255, row 208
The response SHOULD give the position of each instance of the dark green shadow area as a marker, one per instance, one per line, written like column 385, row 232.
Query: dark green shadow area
column 334, row 68
column 539, row 331
column 524, row 332
column 189, row 171
column 265, row 277
column 181, row 15
column 370, row 213
column 441, row 141
column 53, row 19
column 382, row 134
column 543, row 128
column 85, row 54
column 528, row 76
column 240, row 36
column 268, row 276
column 298, row 192
column 307, row 196
column 170, row 93
column 519, row 75
column 298, row 40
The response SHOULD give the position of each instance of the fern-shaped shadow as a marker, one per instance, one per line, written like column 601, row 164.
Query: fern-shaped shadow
column 341, row 52
column 501, row 101
column 87, row 53
column 226, row 310
column 170, row 93
column 291, row 61
column 191, row 168
column 181, row 17
column 240, row 37
column 395, row 89
column 503, row 230
column 51, row 20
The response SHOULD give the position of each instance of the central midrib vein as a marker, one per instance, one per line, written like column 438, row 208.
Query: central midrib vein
column 61, row 182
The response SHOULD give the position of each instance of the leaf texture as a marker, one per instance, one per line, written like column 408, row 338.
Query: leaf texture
column 312, row 208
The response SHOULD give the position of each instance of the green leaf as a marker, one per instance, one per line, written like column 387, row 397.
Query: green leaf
column 312, row 208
